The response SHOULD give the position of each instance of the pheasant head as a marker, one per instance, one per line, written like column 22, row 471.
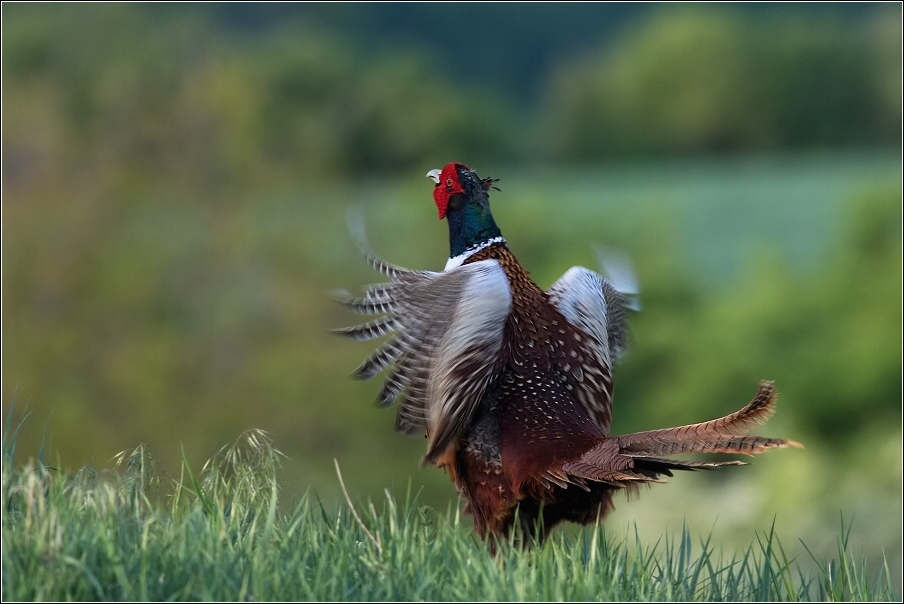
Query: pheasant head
column 463, row 199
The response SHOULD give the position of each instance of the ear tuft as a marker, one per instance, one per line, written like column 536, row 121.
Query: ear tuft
column 488, row 183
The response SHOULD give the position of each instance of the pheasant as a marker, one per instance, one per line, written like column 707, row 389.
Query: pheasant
column 512, row 385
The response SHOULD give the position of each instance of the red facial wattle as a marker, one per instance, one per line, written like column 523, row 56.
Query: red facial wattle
column 447, row 185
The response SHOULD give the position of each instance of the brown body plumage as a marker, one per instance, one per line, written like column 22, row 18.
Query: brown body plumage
column 513, row 385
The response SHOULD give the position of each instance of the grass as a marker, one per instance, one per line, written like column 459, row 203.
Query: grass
column 220, row 534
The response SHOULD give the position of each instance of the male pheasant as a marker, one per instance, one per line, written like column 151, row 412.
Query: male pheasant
column 512, row 385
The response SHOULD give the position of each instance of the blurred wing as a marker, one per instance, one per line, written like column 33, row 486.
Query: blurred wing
column 618, row 270
column 446, row 347
column 592, row 304
column 622, row 293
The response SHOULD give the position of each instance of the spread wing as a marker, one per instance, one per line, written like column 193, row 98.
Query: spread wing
column 595, row 306
column 446, row 345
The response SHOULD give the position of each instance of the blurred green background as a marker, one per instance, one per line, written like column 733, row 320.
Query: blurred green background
column 175, row 181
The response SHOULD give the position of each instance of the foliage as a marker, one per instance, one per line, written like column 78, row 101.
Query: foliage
column 717, row 81
column 831, row 341
column 142, row 99
column 224, row 537
column 139, row 96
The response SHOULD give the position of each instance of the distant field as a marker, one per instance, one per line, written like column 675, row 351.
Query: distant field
column 721, row 211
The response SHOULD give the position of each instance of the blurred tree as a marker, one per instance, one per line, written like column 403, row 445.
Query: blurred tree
column 705, row 80
column 831, row 341
column 172, row 100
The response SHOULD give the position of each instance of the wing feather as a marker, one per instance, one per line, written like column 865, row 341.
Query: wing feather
column 446, row 346
column 580, row 296
column 469, row 356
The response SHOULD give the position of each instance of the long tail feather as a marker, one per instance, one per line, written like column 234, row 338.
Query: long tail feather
column 665, row 466
column 747, row 445
column 624, row 460
column 714, row 436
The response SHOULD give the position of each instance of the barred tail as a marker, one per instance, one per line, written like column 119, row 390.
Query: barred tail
column 640, row 457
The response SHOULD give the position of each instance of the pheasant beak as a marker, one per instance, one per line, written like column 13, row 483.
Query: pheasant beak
column 434, row 175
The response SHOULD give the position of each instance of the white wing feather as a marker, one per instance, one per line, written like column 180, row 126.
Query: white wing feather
column 594, row 305
column 598, row 305
column 578, row 295
column 448, row 335
column 467, row 359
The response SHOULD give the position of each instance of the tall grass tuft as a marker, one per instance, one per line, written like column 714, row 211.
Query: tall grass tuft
column 220, row 534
